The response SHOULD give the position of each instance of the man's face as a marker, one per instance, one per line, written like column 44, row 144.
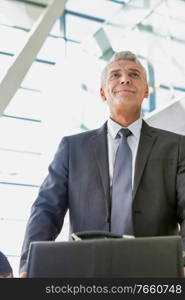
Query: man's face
column 125, row 86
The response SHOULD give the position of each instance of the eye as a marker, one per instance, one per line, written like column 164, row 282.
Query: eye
column 134, row 74
column 114, row 75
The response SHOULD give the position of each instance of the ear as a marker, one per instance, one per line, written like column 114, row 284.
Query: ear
column 146, row 92
column 102, row 93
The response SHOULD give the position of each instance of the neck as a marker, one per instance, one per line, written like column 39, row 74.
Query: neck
column 125, row 119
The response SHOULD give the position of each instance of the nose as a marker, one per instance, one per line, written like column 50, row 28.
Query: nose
column 124, row 79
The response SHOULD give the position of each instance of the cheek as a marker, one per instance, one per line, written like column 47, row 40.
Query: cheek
column 112, row 88
column 108, row 91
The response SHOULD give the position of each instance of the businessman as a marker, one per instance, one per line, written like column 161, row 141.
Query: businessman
column 125, row 177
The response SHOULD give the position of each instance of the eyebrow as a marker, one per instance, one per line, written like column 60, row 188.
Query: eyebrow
column 135, row 70
column 130, row 69
column 113, row 71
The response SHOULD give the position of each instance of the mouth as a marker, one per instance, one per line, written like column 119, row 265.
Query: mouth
column 124, row 91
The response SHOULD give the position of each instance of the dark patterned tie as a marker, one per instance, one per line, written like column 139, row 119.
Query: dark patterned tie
column 121, row 212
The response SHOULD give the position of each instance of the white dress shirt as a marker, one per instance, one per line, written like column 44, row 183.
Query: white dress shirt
column 133, row 142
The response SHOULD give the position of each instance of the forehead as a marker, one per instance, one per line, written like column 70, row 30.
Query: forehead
column 124, row 64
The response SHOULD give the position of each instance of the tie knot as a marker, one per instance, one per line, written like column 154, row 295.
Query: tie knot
column 124, row 132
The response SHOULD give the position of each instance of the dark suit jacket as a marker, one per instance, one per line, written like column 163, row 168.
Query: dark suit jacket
column 5, row 267
column 78, row 180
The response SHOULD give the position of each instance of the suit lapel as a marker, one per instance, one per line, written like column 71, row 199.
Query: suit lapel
column 146, row 142
column 99, row 146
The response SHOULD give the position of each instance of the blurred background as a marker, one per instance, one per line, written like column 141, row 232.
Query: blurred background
column 51, row 56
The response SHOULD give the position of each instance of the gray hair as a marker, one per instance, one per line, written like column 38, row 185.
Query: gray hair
column 127, row 55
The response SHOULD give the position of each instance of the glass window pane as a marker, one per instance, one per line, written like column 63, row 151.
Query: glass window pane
column 39, row 76
column 16, row 201
column 52, row 49
column 19, row 167
column 9, row 35
column 26, row 104
column 56, row 29
column 20, row 135
column 5, row 62
column 19, row 13
column 14, row 230
column 97, row 8
column 79, row 28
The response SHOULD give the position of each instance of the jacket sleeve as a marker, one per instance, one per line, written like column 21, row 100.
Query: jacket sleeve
column 181, row 191
column 48, row 210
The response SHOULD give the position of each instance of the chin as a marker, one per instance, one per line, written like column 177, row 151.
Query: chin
column 124, row 100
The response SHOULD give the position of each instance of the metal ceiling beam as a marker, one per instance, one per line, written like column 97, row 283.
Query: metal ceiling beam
column 41, row 3
column 23, row 60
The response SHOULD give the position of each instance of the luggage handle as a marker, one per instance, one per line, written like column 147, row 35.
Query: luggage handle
column 97, row 234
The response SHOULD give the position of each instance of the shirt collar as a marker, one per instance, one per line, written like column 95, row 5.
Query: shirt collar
column 114, row 127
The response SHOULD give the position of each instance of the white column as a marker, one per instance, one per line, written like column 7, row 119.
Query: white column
column 171, row 117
